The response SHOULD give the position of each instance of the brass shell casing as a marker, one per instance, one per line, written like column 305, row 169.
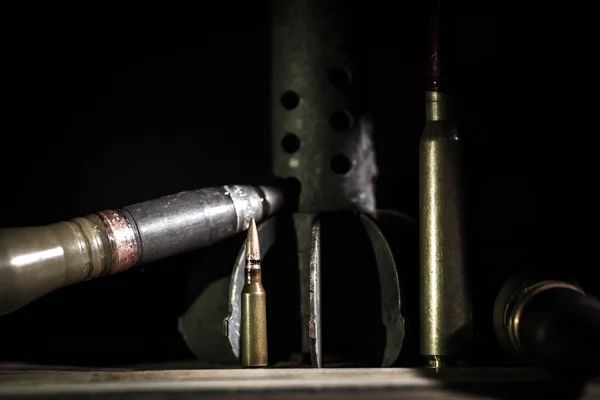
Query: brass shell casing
column 37, row 260
column 445, row 301
column 512, row 300
column 254, row 351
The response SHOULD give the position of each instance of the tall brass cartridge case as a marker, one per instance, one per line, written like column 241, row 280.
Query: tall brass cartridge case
column 445, row 303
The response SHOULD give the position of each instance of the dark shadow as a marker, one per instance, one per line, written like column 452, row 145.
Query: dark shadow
column 401, row 233
column 352, row 330
column 281, row 283
column 509, row 383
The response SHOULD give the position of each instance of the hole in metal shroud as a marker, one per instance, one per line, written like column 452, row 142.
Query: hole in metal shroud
column 339, row 77
column 341, row 120
column 290, row 99
column 340, row 164
column 290, row 143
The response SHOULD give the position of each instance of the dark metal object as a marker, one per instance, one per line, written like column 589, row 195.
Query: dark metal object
column 305, row 225
column 549, row 321
column 391, row 300
column 321, row 139
column 388, row 280
column 254, row 349
column 188, row 220
column 37, row 260
column 309, row 250
column 445, row 300
column 267, row 232
column 201, row 326
column 334, row 159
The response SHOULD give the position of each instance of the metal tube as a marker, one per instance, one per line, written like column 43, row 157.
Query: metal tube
column 320, row 133
column 37, row 260
column 185, row 221
column 445, row 301
column 321, row 136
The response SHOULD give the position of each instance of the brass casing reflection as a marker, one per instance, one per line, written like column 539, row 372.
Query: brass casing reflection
column 254, row 321
column 445, row 302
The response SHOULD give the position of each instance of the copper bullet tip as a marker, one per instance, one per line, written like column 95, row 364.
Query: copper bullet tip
column 252, row 245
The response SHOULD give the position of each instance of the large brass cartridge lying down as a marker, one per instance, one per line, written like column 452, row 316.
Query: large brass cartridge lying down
column 548, row 320
column 254, row 352
column 37, row 260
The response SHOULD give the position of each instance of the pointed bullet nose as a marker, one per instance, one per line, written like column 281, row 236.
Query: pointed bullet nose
column 252, row 243
column 252, row 231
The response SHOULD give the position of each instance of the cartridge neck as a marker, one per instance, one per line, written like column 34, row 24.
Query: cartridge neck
column 93, row 253
column 437, row 106
column 253, row 274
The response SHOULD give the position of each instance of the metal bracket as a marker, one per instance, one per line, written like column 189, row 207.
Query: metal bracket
column 391, row 300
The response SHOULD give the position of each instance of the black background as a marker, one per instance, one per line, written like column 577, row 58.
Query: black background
column 108, row 105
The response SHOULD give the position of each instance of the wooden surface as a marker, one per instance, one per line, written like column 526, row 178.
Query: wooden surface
column 464, row 383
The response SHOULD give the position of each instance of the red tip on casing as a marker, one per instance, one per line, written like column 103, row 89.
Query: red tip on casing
column 434, row 65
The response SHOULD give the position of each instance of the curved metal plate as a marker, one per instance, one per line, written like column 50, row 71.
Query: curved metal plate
column 391, row 301
column 267, row 232
column 200, row 326
column 314, row 324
